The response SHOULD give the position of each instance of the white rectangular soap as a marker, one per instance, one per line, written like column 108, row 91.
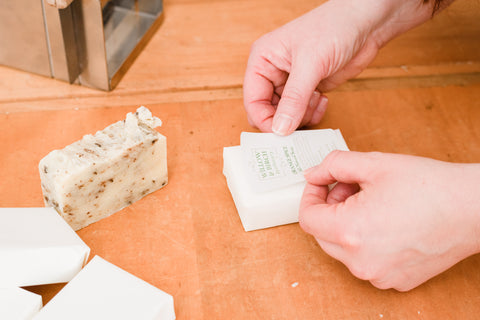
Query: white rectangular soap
column 104, row 291
column 105, row 172
column 18, row 304
column 259, row 210
column 38, row 247
column 272, row 206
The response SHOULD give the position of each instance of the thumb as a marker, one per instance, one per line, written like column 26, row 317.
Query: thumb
column 298, row 90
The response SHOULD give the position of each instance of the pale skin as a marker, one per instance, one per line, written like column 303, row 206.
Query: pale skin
column 394, row 220
column 412, row 219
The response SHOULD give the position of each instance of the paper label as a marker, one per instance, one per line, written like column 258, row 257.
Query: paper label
column 274, row 162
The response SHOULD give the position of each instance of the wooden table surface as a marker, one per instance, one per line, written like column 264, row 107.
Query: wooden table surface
column 420, row 96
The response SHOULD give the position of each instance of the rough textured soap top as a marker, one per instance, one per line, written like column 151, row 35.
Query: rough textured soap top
column 102, row 146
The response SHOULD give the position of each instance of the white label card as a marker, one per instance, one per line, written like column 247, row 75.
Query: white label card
column 275, row 162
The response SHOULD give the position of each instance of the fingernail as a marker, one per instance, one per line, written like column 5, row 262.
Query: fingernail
column 322, row 102
column 281, row 124
column 314, row 100
column 320, row 110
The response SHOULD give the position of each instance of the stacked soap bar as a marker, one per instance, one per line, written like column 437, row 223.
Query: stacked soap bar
column 259, row 210
column 104, row 291
column 105, row 172
column 38, row 247
column 265, row 173
column 18, row 304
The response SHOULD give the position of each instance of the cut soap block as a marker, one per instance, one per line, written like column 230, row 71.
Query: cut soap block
column 279, row 203
column 18, row 304
column 103, row 173
column 38, row 247
column 104, row 291
column 259, row 210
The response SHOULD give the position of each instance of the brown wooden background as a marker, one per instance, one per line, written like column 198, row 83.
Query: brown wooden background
column 420, row 96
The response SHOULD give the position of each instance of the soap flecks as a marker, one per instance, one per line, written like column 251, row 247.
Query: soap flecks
column 106, row 171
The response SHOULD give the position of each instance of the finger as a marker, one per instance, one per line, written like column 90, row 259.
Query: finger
column 344, row 166
column 275, row 100
column 312, row 106
column 333, row 250
column 382, row 284
column 298, row 90
column 319, row 111
column 341, row 191
column 313, row 195
column 332, row 82
column 279, row 89
column 395, row 279
column 260, row 80
column 317, row 217
column 259, row 106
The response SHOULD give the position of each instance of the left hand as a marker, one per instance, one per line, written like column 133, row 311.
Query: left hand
column 290, row 67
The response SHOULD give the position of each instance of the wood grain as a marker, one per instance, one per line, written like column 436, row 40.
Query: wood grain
column 187, row 238
column 420, row 96
column 205, row 45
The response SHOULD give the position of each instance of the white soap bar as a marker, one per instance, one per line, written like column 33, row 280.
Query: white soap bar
column 38, row 247
column 18, row 304
column 259, row 210
column 263, row 206
column 103, row 173
column 104, row 291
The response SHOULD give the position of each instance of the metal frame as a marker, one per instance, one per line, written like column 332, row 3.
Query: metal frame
column 88, row 42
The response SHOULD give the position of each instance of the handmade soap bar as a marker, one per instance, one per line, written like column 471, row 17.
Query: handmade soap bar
column 103, row 173
column 259, row 210
column 38, row 247
column 265, row 173
column 104, row 291
column 18, row 304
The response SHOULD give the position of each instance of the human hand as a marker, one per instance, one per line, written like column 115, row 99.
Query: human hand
column 394, row 220
column 289, row 68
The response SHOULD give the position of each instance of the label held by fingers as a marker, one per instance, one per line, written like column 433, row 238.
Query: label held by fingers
column 274, row 162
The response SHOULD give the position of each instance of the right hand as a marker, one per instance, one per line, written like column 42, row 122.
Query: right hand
column 394, row 220
column 289, row 68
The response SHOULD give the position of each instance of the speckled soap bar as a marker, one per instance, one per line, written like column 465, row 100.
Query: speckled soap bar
column 105, row 172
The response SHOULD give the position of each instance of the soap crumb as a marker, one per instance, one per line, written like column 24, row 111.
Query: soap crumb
column 418, row 311
column 294, row 284
column 381, row 315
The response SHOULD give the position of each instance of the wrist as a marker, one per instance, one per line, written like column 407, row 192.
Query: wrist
column 469, row 204
column 390, row 18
